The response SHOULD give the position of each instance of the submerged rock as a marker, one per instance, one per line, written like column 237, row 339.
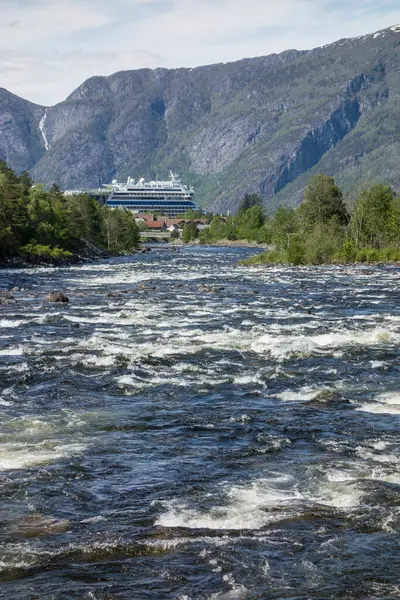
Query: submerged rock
column 38, row 526
column 144, row 287
column 56, row 297
column 328, row 397
column 6, row 297
column 210, row 289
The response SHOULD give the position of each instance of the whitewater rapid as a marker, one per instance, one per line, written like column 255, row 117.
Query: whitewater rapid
column 196, row 443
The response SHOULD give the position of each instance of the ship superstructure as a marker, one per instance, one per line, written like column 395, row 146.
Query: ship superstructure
column 170, row 198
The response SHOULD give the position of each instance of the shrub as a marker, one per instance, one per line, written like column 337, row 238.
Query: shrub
column 33, row 250
column 348, row 251
column 295, row 252
column 361, row 255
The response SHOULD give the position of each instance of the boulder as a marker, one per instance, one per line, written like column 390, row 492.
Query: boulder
column 36, row 525
column 328, row 398
column 56, row 297
column 145, row 287
column 6, row 297
column 210, row 289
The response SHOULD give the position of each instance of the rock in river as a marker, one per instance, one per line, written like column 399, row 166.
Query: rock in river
column 56, row 297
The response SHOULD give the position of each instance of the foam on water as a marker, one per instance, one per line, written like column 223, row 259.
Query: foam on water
column 261, row 503
column 12, row 351
column 13, row 456
column 304, row 394
column 281, row 347
column 388, row 403
column 8, row 323
column 246, row 508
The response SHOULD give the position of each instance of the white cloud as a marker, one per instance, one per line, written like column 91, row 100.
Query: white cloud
column 38, row 23
column 49, row 47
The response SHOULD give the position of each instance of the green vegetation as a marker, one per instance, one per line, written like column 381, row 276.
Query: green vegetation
column 324, row 229
column 46, row 225
column 249, row 224
column 45, row 252
column 193, row 214
column 189, row 232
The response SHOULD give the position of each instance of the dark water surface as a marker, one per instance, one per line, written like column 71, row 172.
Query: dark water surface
column 190, row 443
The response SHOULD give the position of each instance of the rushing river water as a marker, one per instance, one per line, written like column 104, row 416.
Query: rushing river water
column 236, row 441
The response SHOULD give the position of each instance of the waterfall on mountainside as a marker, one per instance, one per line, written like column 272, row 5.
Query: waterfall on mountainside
column 42, row 127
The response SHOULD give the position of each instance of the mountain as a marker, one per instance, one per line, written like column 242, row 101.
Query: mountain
column 257, row 125
column 20, row 137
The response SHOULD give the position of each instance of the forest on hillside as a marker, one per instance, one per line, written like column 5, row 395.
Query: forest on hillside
column 45, row 225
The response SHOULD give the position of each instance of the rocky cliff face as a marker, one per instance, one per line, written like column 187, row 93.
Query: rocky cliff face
column 20, row 138
column 258, row 125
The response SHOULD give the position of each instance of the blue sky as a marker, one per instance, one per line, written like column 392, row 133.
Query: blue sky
column 49, row 47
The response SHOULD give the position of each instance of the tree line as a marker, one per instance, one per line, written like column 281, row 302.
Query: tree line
column 324, row 228
column 36, row 223
column 248, row 224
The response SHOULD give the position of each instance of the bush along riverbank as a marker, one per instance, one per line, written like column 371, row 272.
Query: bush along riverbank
column 246, row 227
column 324, row 229
column 45, row 226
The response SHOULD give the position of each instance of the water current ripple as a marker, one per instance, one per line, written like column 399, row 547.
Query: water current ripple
column 189, row 429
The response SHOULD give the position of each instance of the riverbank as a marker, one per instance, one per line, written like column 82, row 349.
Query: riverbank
column 225, row 243
column 88, row 254
column 274, row 258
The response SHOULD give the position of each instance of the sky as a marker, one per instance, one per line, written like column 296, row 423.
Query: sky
column 49, row 47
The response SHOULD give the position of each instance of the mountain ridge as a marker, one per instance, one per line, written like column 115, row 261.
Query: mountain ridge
column 255, row 125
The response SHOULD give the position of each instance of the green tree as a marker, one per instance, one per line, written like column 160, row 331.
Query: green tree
column 217, row 229
column 249, row 222
column 13, row 213
column 248, row 201
column 323, row 201
column 189, row 232
column 376, row 207
column 120, row 229
column 284, row 224
column 84, row 218
column 394, row 223
column 42, row 218
column 322, row 244
column 295, row 253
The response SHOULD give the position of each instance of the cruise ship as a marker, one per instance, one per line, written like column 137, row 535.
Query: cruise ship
column 170, row 198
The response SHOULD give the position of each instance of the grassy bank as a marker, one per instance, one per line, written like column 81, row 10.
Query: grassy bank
column 275, row 257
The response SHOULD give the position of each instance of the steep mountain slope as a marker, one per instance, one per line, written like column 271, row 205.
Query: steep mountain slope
column 259, row 125
column 21, row 142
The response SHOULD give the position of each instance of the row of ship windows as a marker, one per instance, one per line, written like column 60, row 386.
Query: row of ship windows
column 124, row 195
column 154, row 190
column 149, row 203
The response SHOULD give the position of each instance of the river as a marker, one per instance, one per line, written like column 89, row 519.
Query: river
column 190, row 429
